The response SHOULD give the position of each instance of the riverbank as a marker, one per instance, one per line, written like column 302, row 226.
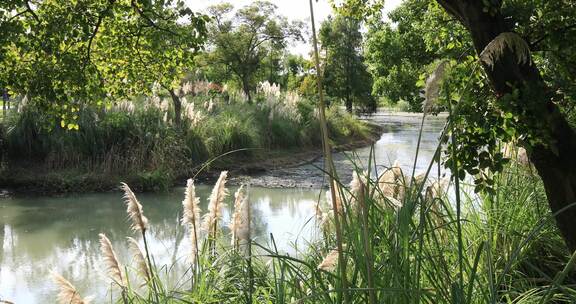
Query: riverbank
column 34, row 179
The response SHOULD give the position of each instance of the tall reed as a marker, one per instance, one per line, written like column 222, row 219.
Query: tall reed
column 191, row 217
column 329, row 164
column 211, row 219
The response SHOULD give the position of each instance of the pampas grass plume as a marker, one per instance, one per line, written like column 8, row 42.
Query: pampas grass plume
column 111, row 260
column 134, row 210
column 191, row 216
column 432, row 89
column 236, row 220
column 217, row 196
column 139, row 259
column 392, row 182
column 329, row 262
column 68, row 293
column 507, row 40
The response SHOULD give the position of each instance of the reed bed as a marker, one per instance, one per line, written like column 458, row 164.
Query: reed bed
column 136, row 140
column 511, row 251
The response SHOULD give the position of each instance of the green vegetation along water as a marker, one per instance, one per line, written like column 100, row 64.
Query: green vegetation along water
column 40, row 234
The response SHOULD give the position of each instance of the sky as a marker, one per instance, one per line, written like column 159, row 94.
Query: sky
column 293, row 10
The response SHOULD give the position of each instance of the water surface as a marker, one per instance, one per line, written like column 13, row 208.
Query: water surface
column 41, row 234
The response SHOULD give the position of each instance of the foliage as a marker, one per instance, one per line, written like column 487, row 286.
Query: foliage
column 345, row 75
column 64, row 54
column 137, row 139
column 296, row 69
column 396, row 54
column 242, row 42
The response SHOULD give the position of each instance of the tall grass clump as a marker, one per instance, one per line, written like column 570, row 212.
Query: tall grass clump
column 396, row 251
column 138, row 141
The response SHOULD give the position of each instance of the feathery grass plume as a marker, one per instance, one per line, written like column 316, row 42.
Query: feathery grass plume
column 217, row 196
column 507, row 40
column 236, row 220
column 432, row 89
column 356, row 184
column 329, row 262
column 111, row 260
column 139, row 259
column 191, row 216
column 419, row 179
column 514, row 152
column 134, row 210
column 68, row 293
column 392, row 182
column 240, row 224
column 243, row 228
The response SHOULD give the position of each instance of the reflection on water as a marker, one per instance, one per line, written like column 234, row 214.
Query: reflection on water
column 39, row 234
column 398, row 142
column 43, row 234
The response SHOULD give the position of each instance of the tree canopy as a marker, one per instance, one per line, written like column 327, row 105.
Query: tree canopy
column 345, row 74
column 62, row 54
column 397, row 56
column 244, row 40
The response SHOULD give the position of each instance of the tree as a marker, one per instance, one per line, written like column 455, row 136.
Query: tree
column 396, row 54
column 243, row 41
column 523, row 49
column 521, row 90
column 345, row 74
column 63, row 54
column 525, row 58
column 295, row 68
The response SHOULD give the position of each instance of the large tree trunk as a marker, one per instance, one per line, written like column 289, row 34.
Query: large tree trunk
column 177, row 107
column 555, row 157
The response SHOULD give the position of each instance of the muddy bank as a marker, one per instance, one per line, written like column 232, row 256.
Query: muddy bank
column 396, row 140
column 32, row 181
column 276, row 160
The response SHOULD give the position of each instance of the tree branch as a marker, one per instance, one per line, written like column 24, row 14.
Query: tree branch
column 31, row 11
column 451, row 8
column 148, row 20
column 543, row 37
column 17, row 15
column 96, row 28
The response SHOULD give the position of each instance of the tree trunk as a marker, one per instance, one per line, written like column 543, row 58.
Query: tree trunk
column 348, row 103
column 555, row 156
column 177, row 107
column 246, row 89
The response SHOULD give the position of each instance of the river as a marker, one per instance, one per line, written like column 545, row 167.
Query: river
column 43, row 234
